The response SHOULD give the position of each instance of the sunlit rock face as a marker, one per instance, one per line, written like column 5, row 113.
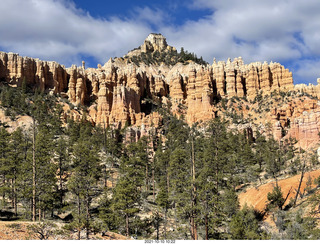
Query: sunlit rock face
column 120, row 92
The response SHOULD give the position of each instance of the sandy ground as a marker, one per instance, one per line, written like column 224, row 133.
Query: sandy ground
column 17, row 230
column 257, row 196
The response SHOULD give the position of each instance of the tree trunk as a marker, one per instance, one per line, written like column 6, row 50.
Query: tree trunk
column 39, row 210
column 15, row 196
column 112, row 164
column 105, row 176
column 168, row 179
column 165, row 223
column 301, row 178
column 87, row 215
column 206, row 226
column 127, row 224
column 153, row 186
column 33, row 171
column 4, row 193
column 60, row 182
column 194, row 192
column 192, row 228
column 79, row 212
column 147, row 176
column 157, row 227
column 12, row 194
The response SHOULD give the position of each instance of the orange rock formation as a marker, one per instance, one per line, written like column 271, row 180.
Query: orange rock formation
column 119, row 91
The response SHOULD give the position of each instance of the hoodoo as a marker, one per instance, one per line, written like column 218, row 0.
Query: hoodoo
column 118, row 88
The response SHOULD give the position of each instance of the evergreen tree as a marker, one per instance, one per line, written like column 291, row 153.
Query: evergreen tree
column 180, row 184
column 275, row 198
column 83, row 184
column 245, row 226
column 16, row 158
column 63, row 160
column 126, row 197
column 45, row 171
column 163, row 202
column 4, row 164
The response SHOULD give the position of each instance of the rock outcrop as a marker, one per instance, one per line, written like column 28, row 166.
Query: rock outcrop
column 298, row 119
column 154, row 42
column 120, row 93
column 15, row 69
column 313, row 90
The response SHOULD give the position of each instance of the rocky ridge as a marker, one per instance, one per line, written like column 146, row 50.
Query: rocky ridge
column 119, row 92
column 116, row 91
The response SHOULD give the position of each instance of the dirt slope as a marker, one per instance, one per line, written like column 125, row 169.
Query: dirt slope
column 257, row 197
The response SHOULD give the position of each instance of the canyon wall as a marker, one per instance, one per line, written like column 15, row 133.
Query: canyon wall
column 14, row 69
column 298, row 119
column 119, row 92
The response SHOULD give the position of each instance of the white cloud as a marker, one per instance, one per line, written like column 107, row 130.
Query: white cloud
column 272, row 30
column 308, row 71
column 151, row 16
column 56, row 30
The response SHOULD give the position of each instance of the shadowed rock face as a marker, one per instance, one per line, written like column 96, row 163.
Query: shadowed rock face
column 120, row 90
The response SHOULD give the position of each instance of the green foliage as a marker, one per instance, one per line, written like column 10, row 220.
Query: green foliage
column 244, row 225
column 296, row 226
column 43, row 230
column 170, row 57
column 83, row 183
column 275, row 198
column 308, row 185
column 125, row 202
column 185, row 176
column 317, row 181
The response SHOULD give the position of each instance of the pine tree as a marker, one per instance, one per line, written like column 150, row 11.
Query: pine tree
column 245, row 226
column 126, row 197
column 275, row 198
column 216, row 160
column 84, row 183
column 45, row 171
column 16, row 158
column 4, row 164
column 63, row 160
column 111, row 221
column 180, row 184
column 163, row 202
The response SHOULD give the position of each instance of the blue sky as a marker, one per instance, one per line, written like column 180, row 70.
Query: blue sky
column 69, row 31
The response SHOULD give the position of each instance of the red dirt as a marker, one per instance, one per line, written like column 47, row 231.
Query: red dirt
column 257, row 197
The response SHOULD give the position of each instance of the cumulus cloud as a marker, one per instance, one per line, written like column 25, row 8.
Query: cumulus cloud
column 274, row 30
column 308, row 71
column 57, row 30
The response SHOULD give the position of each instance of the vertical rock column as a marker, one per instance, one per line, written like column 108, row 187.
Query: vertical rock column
column 239, row 84
column 219, row 76
column 81, row 91
column 191, row 98
column 265, row 78
column 252, row 81
column 72, row 84
column 103, row 108
column 230, row 80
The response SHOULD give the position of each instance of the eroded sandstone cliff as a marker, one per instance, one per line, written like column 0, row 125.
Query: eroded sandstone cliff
column 119, row 92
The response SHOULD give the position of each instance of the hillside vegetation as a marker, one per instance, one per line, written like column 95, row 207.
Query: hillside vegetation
column 77, row 181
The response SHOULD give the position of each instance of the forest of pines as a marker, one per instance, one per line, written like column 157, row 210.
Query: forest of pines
column 179, row 182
